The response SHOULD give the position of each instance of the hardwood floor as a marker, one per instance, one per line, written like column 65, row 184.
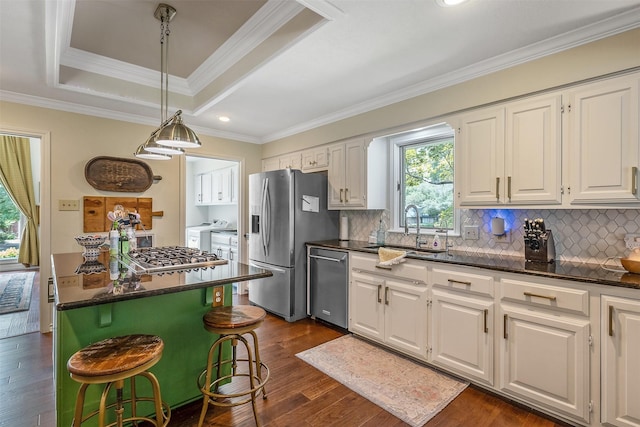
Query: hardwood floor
column 298, row 394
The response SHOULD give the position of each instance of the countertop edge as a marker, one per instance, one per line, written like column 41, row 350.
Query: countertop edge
column 583, row 273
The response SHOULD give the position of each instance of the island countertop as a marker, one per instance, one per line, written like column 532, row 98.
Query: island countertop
column 78, row 284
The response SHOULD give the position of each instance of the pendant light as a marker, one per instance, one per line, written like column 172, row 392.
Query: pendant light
column 172, row 136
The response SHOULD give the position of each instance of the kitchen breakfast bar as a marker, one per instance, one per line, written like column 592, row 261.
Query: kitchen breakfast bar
column 95, row 301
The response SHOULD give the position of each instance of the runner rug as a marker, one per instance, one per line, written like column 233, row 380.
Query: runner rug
column 410, row 391
column 15, row 291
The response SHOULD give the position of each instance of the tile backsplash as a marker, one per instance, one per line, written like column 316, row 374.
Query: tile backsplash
column 588, row 235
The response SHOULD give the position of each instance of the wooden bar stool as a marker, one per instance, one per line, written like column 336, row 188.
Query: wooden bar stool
column 231, row 323
column 111, row 362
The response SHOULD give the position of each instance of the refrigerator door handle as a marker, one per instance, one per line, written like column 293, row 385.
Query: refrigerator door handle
column 268, row 216
column 263, row 203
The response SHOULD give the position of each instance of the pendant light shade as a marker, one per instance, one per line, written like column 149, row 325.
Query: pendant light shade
column 176, row 134
column 152, row 146
column 172, row 136
column 142, row 153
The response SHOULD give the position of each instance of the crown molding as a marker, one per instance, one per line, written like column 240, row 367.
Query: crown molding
column 70, row 107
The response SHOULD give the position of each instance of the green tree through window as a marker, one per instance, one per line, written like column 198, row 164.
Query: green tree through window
column 427, row 181
column 9, row 218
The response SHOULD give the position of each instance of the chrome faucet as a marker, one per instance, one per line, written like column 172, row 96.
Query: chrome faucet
column 406, row 224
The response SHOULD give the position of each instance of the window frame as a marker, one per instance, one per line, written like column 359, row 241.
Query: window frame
column 397, row 142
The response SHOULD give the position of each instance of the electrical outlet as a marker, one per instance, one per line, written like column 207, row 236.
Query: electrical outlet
column 505, row 238
column 471, row 232
column 218, row 296
column 68, row 205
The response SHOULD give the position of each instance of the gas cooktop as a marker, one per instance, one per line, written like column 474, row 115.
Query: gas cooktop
column 170, row 259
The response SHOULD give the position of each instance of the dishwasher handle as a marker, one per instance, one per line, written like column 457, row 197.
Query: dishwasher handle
column 325, row 258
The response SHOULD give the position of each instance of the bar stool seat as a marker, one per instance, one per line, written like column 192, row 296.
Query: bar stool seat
column 231, row 323
column 111, row 362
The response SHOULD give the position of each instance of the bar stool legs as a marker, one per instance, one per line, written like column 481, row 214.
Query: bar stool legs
column 110, row 362
column 232, row 324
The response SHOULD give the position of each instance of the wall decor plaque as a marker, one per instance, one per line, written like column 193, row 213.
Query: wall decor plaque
column 118, row 174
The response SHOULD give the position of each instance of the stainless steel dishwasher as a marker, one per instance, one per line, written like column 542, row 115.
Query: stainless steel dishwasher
column 329, row 285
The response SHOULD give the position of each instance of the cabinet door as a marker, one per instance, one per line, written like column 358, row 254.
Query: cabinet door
column 271, row 164
column 533, row 151
column 405, row 325
column 366, row 310
column 603, row 126
column 546, row 360
column 481, row 150
column 234, row 183
column 204, row 188
column 620, row 361
column 315, row 159
column 355, row 174
column 293, row 161
column 462, row 334
column 336, row 176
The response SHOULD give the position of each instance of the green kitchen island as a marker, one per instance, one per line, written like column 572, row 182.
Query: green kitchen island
column 90, row 308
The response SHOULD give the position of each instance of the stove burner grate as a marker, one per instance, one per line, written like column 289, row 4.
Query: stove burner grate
column 171, row 259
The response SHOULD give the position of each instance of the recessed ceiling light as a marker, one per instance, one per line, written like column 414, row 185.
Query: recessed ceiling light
column 224, row 119
column 448, row 3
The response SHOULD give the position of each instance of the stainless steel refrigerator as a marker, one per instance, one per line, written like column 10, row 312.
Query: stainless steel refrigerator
column 287, row 208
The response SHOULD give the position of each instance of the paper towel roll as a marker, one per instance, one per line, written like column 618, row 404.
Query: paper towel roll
column 344, row 228
column 497, row 226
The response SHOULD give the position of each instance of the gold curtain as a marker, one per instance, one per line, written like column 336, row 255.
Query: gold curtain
column 15, row 174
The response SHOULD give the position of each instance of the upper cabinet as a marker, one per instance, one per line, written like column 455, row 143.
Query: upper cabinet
column 217, row 187
column 315, row 159
column 603, row 141
column 357, row 175
column 511, row 154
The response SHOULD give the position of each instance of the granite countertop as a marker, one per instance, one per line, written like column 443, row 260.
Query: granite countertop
column 580, row 272
column 79, row 284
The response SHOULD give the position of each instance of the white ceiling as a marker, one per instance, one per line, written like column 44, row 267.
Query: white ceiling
column 276, row 67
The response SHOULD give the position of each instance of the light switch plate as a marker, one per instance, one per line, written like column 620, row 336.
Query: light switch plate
column 68, row 205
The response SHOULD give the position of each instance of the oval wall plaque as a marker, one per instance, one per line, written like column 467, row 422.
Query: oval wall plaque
column 118, row 174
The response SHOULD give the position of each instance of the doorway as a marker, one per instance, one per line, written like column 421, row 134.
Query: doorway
column 213, row 206
column 21, row 295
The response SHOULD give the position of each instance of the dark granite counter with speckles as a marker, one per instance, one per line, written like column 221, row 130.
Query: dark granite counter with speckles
column 580, row 272
column 78, row 284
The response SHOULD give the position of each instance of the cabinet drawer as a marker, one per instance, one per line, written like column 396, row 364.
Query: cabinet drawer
column 549, row 296
column 463, row 281
column 410, row 269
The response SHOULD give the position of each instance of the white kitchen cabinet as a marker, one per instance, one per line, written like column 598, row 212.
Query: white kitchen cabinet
column 357, row 175
column 315, row 159
column 270, row 164
column 511, row 154
column 620, row 361
column 389, row 306
column 462, row 323
column 221, row 193
column 603, row 138
column 203, row 186
column 234, row 183
column 545, row 346
column 292, row 161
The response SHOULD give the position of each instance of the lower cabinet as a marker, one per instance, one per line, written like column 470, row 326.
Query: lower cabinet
column 545, row 349
column 525, row 337
column 620, row 361
column 387, row 307
column 462, row 318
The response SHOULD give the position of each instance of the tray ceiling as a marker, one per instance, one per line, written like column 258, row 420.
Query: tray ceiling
column 275, row 67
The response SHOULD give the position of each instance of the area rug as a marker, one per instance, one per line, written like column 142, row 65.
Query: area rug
column 410, row 391
column 15, row 291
